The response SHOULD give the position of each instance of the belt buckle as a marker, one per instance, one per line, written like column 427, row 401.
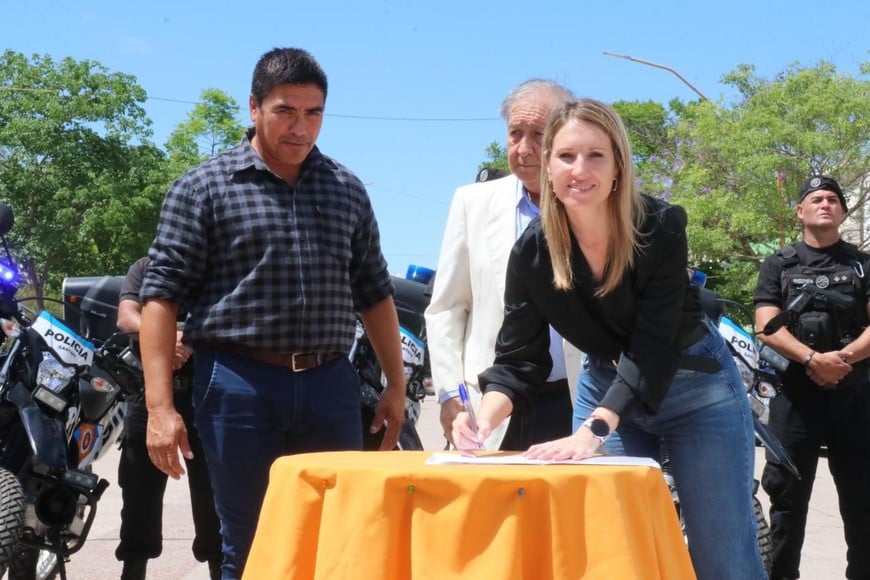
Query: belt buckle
column 300, row 366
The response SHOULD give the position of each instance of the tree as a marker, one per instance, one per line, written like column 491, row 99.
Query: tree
column 737, row 169
column 649, row 126
column 76, row 165
column 496, row 157
column 211, row 127
column 646, row 123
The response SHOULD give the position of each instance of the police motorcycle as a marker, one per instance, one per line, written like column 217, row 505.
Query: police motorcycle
column 61, row 407
column 412, row 296
column 96, row 298
column 759, row 366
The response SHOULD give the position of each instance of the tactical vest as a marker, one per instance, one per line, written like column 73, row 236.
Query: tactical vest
column 821, row 326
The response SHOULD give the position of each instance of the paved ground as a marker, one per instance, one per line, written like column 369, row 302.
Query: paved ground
column 824, row 551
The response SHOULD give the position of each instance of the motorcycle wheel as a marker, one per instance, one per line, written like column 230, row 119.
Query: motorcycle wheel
column 765, row 542
column 11, row 517
column 33, row 564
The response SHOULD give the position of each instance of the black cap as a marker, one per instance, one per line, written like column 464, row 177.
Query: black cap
column 817, row 182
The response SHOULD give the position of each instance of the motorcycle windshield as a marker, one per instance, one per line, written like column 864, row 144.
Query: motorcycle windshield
column 740, row 341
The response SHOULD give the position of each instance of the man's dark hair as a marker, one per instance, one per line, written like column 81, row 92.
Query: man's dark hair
column 286, row 65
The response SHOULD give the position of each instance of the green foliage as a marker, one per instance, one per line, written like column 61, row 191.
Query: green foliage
column 496, row 157
column 650, row 131
column 647, row 126
column 737, row 168
column 76, row 165
column 79, row 170
column 211, row 127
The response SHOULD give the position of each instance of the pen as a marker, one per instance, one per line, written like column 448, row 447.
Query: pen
column 466, row 401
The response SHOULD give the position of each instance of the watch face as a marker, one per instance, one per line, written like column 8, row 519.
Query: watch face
column 599, row 427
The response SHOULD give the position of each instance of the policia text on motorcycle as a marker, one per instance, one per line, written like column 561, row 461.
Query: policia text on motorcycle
column 822, row 283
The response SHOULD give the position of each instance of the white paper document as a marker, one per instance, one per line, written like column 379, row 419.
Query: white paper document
column 513, row 458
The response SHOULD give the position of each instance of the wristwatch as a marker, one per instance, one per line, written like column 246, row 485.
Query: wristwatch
column 599, row 427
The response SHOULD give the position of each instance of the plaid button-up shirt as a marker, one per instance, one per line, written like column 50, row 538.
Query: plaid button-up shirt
column 264, row 264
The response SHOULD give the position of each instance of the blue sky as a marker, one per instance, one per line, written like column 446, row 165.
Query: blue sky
column 415, row 87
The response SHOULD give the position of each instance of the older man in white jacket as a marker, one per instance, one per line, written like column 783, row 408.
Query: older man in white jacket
column 467, row 307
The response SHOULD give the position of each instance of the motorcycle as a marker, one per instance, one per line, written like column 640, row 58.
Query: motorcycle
column 757, row 367
column 412, row 297
column 61, row 407
column 372, row 382
column 91, row 305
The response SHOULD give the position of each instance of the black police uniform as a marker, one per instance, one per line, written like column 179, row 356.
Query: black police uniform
column 143, row 485
column 805, row 416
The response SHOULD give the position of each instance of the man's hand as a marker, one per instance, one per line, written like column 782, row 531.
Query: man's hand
column 182, row 352
column 826, row 369
column 167, row 434
column 391, row 409
column 449, row 410
column 382, row 327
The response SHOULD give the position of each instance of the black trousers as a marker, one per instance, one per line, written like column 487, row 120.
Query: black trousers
column 549, row 416
column 143, row 486
column 804, row 417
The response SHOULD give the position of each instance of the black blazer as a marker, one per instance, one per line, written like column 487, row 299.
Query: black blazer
column 642, row 324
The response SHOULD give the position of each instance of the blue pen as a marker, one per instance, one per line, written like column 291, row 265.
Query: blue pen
column 466, row 401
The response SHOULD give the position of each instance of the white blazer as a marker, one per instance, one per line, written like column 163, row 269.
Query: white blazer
column 467, row 307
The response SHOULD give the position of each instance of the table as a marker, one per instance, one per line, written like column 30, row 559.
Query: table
column 388, row 515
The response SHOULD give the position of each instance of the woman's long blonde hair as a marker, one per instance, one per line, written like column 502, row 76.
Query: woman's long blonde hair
column 625, row 204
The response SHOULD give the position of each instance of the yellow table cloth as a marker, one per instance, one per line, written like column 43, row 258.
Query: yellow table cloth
column 388, row 515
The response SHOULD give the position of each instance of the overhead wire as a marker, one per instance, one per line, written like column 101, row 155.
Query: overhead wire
column 337, row 115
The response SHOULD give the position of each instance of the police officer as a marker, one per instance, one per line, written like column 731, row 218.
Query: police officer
column 826, row 396
column 142, row 484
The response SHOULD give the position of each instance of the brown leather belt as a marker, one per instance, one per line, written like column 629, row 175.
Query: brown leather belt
column 296, row 361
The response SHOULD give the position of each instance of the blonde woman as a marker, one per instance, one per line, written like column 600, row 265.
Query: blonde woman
column 606, row 267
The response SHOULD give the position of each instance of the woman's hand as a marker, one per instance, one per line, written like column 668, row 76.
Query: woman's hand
column 494, row 408
column 465, row 438
column 580, row 445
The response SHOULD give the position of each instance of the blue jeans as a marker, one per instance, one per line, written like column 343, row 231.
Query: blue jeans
column 250, row 413
column 706, row 424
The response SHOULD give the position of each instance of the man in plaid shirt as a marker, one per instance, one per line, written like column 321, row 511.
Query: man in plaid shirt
column 272, row 247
